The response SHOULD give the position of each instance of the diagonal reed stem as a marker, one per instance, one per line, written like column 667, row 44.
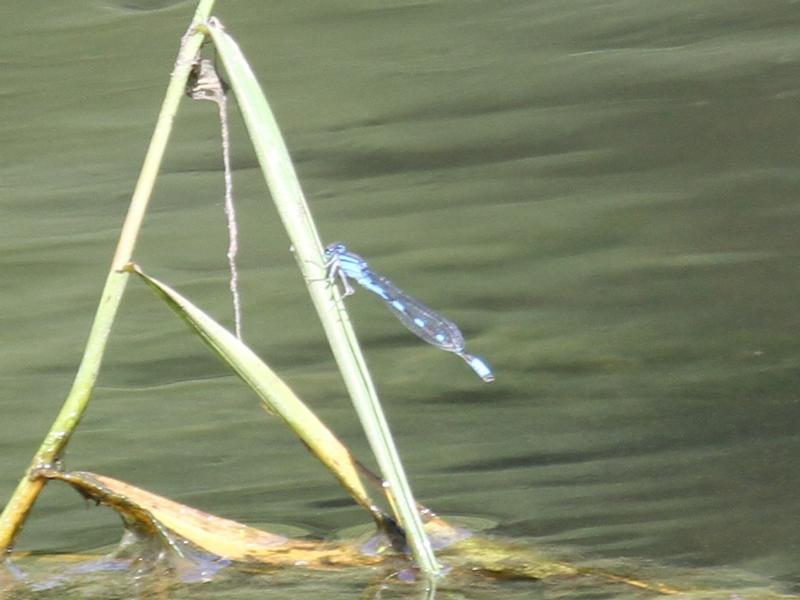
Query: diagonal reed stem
column 287, row 194
column 56, row 440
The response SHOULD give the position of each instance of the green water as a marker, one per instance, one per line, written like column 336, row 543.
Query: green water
column 603, row 194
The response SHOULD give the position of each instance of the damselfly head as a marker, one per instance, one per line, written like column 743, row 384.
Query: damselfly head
column 335, row 248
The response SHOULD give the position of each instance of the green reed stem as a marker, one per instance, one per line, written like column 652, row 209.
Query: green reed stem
column 56, row 440
column 284, row 186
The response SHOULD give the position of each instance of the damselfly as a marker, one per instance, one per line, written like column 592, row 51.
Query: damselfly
column 418, row 318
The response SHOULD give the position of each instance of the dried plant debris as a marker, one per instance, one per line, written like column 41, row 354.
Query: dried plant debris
column 164, row 536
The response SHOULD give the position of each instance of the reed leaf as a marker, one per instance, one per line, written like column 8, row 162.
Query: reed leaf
column 275, row 396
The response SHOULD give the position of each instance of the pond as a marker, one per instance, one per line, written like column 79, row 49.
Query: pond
column 601, row 193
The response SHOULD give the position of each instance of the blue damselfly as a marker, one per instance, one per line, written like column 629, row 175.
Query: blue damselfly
column 418, row 318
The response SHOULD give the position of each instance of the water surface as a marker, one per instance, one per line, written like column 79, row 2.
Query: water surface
column 603, row 194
